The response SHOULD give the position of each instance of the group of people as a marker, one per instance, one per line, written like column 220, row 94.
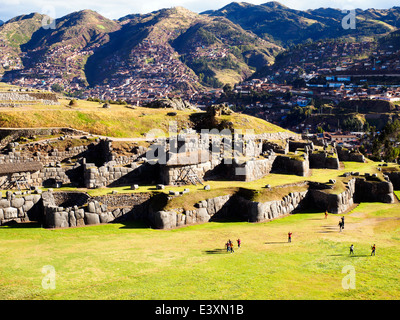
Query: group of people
column 373, row 248
column 229, row 245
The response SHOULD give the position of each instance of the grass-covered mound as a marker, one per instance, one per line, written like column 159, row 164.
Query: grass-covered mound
column 119, row 120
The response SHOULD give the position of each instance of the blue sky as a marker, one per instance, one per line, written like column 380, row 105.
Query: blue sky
column 114, row 9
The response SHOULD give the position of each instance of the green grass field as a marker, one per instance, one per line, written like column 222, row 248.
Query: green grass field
column 117, row 261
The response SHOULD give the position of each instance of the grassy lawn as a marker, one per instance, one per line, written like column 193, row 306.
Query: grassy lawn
column 117, row 261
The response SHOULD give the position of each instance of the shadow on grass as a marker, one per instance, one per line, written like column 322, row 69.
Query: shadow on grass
column 22, row 225
column 349, row 255
column 134, row 225
column 328, row 231
column 216, row 251
column 276, row 242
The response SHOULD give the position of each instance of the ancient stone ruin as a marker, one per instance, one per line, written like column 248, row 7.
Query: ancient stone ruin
column 72, row 209
column 76, row 159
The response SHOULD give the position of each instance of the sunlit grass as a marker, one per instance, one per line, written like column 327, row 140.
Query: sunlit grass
column 117, row 121
column 117, row 261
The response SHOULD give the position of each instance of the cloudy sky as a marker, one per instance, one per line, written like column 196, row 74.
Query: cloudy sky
column 114, row 9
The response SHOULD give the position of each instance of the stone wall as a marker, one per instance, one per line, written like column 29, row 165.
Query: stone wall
column 169, row 174
column 294, row 145
column 70, row 198
column 124, row 200
column 262, row 211
column 19, row 208
column 348, row 155
column 373, row 191
column 282, row 147
column 331, row 202
column 11, row 134
column 252, row 169
column 10, row 99
column 45, row 158
column 292, row 165
column 48, row 176
column 96, row 210
column 278, row 136
column 323, row 160
column 111, row 174
column 179, row 217
column 62, row 210
column 394, row 178
column 97, row 177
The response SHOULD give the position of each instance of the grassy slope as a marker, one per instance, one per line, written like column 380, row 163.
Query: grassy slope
column 126, row 262
column 118, row 121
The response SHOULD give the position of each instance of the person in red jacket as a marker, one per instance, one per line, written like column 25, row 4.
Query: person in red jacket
column 289, row 237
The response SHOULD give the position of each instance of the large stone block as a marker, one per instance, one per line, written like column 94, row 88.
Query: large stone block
column 72, row 219
column 164, row 219
column 28, row 205
column 92, row 218
column 91, row 207
column 106, row 217
column 56, row 219
column 202, row 215
column 180, row 219
column 10, row 213
column 4, row 203
column 48, row 198
column 79, row 214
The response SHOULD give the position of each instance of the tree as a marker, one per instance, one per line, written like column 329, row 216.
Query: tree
column 57, row 87
column 227, row 88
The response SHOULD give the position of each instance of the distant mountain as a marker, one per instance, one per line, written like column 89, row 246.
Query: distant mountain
column 285, row 26
column 13, row 34
column 211, row 50
column 172, row 50
column 87, row 48
column 64, row 49
column 390, row 41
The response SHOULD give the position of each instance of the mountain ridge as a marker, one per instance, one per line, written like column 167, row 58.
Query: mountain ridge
column 190, row 51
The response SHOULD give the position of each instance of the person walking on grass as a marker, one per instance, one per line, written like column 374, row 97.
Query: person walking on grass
column 342, row 222
column 238, row 242
column 340, row 226
column 228, row 247
column 326, row 214
column 289, row 237
column 351, row 249
column 373, row 250
column 231, row 246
